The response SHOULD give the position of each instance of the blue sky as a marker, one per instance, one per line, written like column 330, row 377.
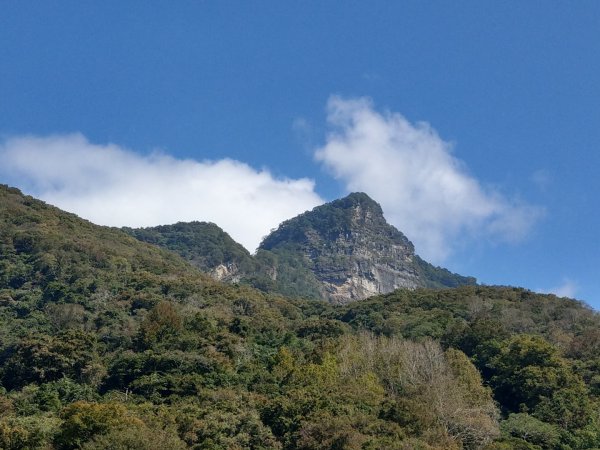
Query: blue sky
column 476, row 125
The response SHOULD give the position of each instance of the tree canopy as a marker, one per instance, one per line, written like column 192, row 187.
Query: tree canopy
column 108, row 342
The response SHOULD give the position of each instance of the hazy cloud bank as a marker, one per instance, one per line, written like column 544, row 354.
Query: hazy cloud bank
column 424, row 190
column 110, row 185
column 568, row 288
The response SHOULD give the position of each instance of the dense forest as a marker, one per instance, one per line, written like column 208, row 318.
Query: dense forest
column 107, row 342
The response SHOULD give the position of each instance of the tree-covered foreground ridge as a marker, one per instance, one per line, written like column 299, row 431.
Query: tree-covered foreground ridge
column 107, row 342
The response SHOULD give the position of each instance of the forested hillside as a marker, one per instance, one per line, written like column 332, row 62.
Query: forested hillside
column 204, row 245
column 110, row 343
column 340, row 252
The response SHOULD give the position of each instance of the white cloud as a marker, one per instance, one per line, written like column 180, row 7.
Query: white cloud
column 110, row 185
column 424, row 190
column 568, row 288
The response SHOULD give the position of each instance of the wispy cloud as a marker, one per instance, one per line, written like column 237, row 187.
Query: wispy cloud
column 568, row 288
column 424, row 190
column 111, row 185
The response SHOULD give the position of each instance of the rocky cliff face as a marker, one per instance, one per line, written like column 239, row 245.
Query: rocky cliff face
column 350, row 248
column 341, row 251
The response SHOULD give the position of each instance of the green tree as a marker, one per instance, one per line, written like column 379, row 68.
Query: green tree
column 41, row 358
column 82, row 421
column 162, row 322
column 137, row 437
column 532, row 430
column 527, row 370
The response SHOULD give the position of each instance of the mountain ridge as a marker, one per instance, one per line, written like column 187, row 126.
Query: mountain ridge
column 340, row 251
column 108, row 342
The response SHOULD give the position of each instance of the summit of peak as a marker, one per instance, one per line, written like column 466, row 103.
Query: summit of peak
column 357, row 199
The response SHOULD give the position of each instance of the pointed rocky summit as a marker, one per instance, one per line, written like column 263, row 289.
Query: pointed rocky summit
column 354, row 253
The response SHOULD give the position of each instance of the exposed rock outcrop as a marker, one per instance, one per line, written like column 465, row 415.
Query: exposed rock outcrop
column 352, row 250
column 340, row 251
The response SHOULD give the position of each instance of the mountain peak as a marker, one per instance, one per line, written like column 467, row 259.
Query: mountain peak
column 357, row 199
column 353, row 251
column 340, row 251
column 330, row 220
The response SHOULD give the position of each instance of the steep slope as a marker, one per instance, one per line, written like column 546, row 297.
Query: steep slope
column 354, row 253
column 204, row 245
column 41, row 244
column 59, row 271
column 341, row 251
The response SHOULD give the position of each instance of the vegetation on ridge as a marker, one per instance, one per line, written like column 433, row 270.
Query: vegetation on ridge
column 298, row 259
column 107, row 342
column 203, row 244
